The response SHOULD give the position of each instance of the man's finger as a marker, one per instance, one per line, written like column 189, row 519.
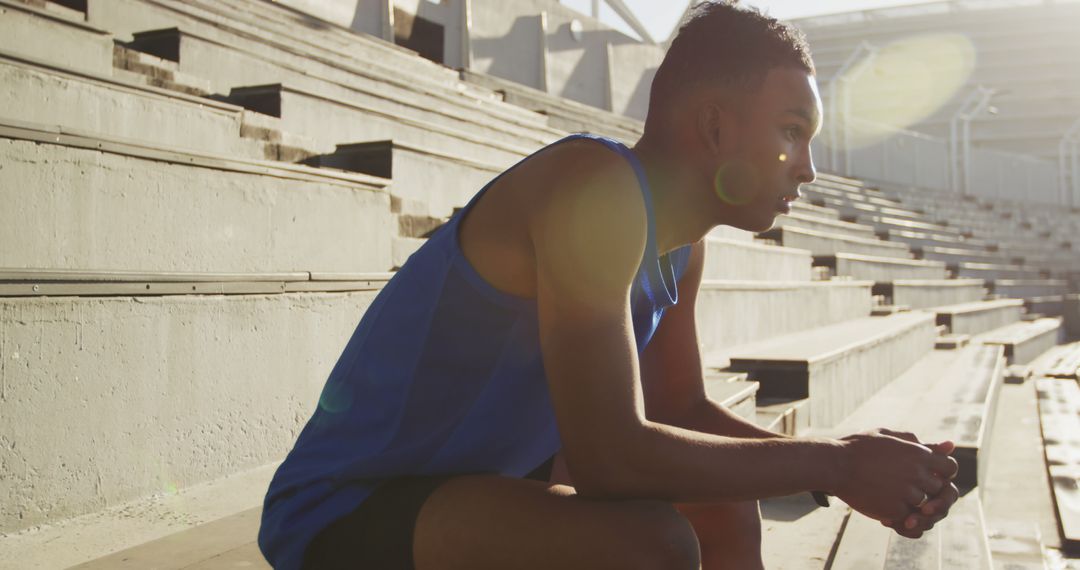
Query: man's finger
column 941, row 503
column 904, row 435
column 931, row 484
column 943, row 448
column 943, row 465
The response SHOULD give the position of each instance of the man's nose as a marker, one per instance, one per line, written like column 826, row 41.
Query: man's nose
column 806, row 173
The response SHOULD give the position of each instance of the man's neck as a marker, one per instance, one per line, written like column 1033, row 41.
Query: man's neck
column 679, row 217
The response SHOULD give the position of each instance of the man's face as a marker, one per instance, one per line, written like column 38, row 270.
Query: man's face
column 772, row 150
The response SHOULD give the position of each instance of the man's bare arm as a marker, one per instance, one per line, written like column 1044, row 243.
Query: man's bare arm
column 589, row 235
column 671, row 368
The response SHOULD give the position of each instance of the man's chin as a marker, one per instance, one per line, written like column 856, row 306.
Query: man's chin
column 756, row 225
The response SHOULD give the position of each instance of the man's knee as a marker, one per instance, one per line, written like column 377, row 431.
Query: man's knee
column 658, row 536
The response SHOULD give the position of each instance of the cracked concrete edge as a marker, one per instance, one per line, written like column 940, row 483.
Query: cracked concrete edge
column 87, row 537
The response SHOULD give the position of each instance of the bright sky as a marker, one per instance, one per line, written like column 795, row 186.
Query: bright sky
column 661, row 16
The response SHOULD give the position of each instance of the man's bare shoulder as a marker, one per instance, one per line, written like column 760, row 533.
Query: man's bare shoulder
column 585, row 186
column 588, row 223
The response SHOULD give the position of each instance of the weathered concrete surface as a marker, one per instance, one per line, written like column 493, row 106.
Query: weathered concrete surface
column 838, row 366
column 925, row 293
column 25, row 30
column 1016, row 495
column 38, row 94
column 882, row 268
column 959, row 541
column 730, row 313
column 749, row 261
column 436, row 181
column 827, row 243
column 979, row 316
column 797, row 534
column 105, row 400
column 206, row 517
column 73, row 208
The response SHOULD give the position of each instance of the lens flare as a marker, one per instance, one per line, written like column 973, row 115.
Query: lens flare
column 336, row 397
column 735, row 183
column 783, row 157
column 900, row 85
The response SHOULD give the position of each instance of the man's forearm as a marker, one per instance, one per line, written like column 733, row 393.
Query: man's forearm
column 713, row 418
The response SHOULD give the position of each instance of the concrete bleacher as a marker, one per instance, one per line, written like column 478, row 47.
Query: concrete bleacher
column 193, row 282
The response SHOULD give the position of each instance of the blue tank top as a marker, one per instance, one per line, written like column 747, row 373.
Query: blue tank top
column 443, row 375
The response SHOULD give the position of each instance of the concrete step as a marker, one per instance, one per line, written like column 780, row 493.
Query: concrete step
column 329, row 122
column 995, row 271
column 729, row 259
column 811, row 222
column 956, row 255
column 917, row 239
column 959, row 541
column 805, row 207
column 239, row 216
column 211, row 526
column 948, row 395
column 1048, row 305
column 979, row 316
column 1062, row 361
column 825, row 243
column 229, row 60
column 860, row 211
column 733, row 392
column 881, row 268
column 562, row 114
column 1024, row 341
column 926, row 293
column 37, row 92
column 797, row 534
column 41, row 34
column 303, row 50
column 168, row 391
column 216, row 545
column 885, row 223
column 441, row 181
column 781, row 415
column 837, row 366
column 730, row 313
column 321, row 31
column 157, row 72
column 1059, row 414
column 1028, row 288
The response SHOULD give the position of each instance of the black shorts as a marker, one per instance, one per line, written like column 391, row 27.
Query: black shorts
column 378, row 535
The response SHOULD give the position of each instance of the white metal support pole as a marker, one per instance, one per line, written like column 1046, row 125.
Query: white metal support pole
column 1069, row 165
column 595, row 9
column 387, row 17
column 838, row 111
column 983, row 102
column 466, row 34
column 543, row 52
column 960, row 137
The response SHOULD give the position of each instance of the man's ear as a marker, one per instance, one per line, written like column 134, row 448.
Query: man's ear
column 716, row 127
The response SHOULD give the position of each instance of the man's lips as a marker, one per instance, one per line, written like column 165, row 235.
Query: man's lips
column 783, row 205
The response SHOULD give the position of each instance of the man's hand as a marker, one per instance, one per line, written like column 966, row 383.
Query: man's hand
column 936, row 507
column 890, row 476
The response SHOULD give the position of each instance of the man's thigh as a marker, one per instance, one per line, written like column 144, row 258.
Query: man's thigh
column 479, row 522
column 729, row 533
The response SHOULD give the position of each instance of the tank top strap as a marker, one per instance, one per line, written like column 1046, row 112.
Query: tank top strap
column 661, row 275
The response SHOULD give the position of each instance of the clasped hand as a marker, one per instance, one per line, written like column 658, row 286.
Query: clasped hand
column 896, row 479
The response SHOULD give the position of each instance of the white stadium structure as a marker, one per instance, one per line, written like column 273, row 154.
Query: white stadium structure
column 199, row 199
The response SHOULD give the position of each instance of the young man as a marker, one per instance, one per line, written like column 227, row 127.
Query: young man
column 552, row 322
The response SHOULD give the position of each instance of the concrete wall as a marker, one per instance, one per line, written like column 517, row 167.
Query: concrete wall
column 71, row 208
column 633, row 67
column 104, row 400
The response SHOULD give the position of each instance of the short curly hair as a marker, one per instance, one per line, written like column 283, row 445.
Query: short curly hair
column 722, row 43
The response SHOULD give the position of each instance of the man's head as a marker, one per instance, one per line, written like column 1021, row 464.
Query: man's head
column 736, row 97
